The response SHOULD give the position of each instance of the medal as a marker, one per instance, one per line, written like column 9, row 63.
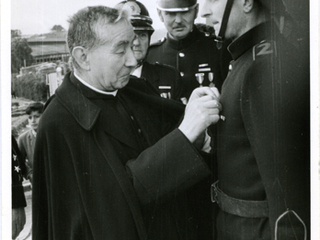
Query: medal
column 200, row 78
column 211, row 76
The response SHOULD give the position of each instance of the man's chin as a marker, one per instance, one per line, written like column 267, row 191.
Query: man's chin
column 125, row 80
column 124, row 83
column 179, row 34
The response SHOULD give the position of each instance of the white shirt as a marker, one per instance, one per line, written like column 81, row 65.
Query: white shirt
column 137, row 72
column 114, row 93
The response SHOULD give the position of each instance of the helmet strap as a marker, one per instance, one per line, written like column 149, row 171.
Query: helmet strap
column 224, row 23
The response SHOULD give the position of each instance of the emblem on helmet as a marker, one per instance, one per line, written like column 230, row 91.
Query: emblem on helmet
column 132, row 7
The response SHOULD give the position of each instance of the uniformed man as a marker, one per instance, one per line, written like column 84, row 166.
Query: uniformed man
column 163, row 77
column 263, row 144
column 191, row 52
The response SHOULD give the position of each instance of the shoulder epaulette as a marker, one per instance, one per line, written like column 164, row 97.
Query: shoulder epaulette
column 158, row 43
column 263, row 48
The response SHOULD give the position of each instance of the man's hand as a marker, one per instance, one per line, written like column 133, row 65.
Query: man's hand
column 202, row 111
column 200, row 92
column 18, row 221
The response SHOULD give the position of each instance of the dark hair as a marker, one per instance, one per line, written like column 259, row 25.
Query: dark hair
column 33, row 107
column 85, row 25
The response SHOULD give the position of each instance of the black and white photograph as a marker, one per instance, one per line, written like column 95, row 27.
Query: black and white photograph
column 160, row 120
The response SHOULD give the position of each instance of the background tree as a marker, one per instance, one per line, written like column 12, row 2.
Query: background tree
column 31, row 86
column 15, row 33
column 57, row 28
column 20, row 52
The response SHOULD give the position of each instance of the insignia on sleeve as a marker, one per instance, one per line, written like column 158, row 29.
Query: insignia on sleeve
column 263, row 48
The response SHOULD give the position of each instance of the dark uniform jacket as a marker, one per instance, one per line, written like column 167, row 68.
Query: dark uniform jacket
column 197, row 53
column 18, row 169
column 263, row 145
column 102, row 171
column 164, row 78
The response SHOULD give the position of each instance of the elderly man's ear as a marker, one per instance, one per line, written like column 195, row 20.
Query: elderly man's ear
column 248, row 5
column 80, row 54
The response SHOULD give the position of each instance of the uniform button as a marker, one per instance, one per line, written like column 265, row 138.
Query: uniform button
column 139, row 130
column 230, row 67
column 132, row 118
column 182, row 74
column 181, row 54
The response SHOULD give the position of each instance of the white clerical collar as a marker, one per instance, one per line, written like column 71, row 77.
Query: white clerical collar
column 114, row 93
column 137, row 72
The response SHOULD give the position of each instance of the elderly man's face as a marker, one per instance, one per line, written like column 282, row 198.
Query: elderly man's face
column 141, row 44
column 178, row 24
column 213, row 11
column 112, row 62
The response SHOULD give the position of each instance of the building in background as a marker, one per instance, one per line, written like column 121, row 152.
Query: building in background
column 50, row 47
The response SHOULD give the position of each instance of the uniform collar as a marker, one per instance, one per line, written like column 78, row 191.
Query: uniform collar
column 249, row 39
column 187, row 41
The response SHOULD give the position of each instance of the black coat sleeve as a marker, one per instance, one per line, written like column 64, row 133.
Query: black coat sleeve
column 169, row 167
column 18, row 198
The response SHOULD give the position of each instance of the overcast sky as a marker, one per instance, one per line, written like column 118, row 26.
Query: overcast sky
column 39, row 16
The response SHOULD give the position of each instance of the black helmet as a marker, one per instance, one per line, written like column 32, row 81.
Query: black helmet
column 276, row 8
column 139, row 15
column 176, row 5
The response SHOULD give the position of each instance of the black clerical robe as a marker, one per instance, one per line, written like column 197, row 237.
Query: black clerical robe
column 104, row 168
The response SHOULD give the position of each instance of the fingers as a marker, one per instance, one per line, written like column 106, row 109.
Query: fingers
column 201, row 112
column 204, row 91
column 216, row 93
column 207, row 91
column 212, row 104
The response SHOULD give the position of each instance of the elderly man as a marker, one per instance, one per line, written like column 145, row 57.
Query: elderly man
column 163, row 77
column 263, row 146
column 109, row 162
column 190, row 51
